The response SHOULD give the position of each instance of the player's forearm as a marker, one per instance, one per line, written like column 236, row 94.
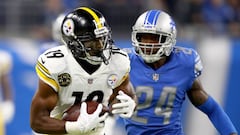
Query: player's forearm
column 218, row 117
column 136, row 101
column 48, row 126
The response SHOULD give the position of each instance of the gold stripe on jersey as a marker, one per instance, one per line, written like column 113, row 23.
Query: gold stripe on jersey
column 43, row 69
column 2, row 126
column 123, row 79
column 42, row 75
column 94, row 15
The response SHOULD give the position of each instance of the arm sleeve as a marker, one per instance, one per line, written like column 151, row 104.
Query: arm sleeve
column 218, row 117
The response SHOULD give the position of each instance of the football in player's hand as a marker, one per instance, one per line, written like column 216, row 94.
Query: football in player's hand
column 74, row 111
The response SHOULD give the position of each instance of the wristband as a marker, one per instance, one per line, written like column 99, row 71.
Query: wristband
column 73, row 127
column 8, row 110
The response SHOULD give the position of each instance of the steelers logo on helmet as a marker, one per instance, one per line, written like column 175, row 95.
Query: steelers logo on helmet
column 68, row 27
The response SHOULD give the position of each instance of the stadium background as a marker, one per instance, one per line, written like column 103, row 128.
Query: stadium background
column 22, row 32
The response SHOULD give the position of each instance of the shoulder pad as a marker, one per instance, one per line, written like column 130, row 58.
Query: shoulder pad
column 118, row 51
column 121, row 59
column 189, row 57
column 54, row 59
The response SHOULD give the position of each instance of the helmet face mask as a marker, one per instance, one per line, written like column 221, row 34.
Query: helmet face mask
column 161, row 28
column 94, row 50
column 87, row 35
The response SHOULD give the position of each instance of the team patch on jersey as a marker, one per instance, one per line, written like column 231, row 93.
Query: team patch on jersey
column 64, row 79
column 112, row 80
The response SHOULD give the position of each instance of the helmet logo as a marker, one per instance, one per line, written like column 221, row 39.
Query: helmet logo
column 151, row 18
column 68, row 27
column 172, row 23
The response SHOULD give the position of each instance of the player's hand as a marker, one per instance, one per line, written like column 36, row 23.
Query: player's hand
column 86, row 122
column 126, row 106
column 8, row 110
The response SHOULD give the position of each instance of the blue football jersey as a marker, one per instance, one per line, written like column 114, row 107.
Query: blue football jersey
column 161, row 92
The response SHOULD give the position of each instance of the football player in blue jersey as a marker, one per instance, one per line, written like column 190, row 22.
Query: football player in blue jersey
column 162, row 75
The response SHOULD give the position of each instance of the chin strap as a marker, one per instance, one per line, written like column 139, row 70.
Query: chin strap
column 106, row 62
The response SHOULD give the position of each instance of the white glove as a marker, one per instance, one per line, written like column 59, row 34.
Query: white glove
column 8, row 110
column 86, row 122
column 126, row 106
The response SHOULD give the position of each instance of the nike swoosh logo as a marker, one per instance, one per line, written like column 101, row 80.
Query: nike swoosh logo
column 42, row 61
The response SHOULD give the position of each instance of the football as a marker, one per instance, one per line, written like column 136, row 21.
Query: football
column 74, row 111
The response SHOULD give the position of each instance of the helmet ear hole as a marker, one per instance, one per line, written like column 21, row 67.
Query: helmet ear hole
column 163, row 39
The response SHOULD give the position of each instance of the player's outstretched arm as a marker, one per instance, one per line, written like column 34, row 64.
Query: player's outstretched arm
column 211, row 108
column 43, row 102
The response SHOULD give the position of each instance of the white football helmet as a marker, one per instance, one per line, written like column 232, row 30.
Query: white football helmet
column 154, row 22
column 56, row 28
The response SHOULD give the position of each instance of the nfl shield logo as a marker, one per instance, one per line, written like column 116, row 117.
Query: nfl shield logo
column 155, row 77
column 90, row 81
